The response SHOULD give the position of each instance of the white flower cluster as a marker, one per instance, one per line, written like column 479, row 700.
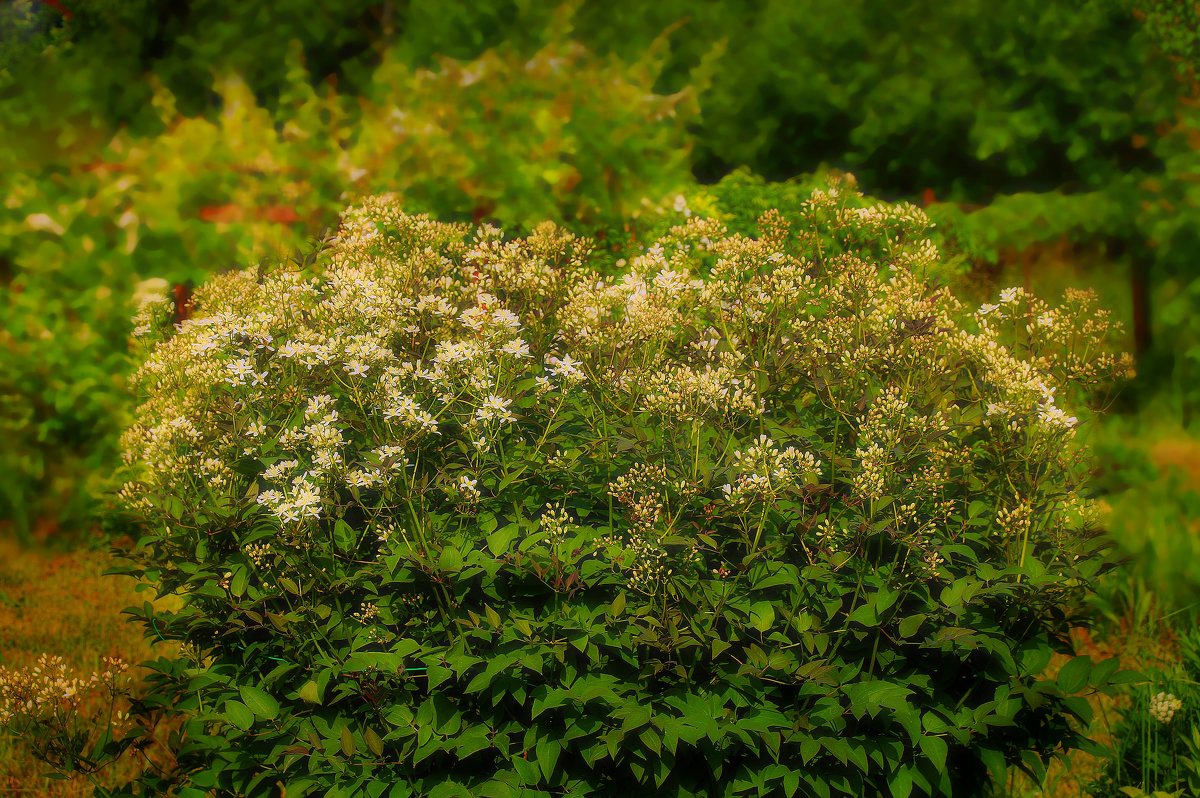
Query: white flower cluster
column 767, row 472
column 50, row 690
column 301, row 499
column 883, row 434
column 698, row 394
column 1017, row 520
column 1023, row 396
column 1163, row 707
column 645, row 491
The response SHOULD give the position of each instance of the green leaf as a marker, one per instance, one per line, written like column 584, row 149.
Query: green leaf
column 344, row 537
column 260, row 702
column 935, row 749
column 374, row 741
column 277, row 620
column 241, row 577
column 900, row 784
column 1100, row 675
column 1128, row 677
column 499, row 541
column 995, row 762
column 508, row 478
column 239, row 714
column 871, row 696
column 1074, row 675
column 866, row 614
column 651, row 740
column 762, row 615
column 617, row 606
column 289, row 585
column 473, row 739
column 910, row 625
column 310, row 692
column 495, row 789
column 451, row 559
column 1034, row 658
column 348, row 746
column 450, row 789
column 436, row 674
column 547, row 751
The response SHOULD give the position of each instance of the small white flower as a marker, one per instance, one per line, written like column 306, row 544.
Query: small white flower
column 566, row 368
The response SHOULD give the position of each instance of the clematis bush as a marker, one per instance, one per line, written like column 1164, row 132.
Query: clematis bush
column 452, row 513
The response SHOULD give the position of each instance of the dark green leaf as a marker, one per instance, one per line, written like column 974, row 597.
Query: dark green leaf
column 1074, row 675
column 260, row 702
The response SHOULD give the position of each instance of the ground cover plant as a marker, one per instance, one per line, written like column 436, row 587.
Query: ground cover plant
column 456, row 514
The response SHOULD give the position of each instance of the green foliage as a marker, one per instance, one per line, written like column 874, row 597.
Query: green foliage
column 1154, row 523
column 1174, row 27
column 1019, row 222
column 1168, row 218
column 964, row 98
column 1041, row 96
column 26, row 30
column 449, row 514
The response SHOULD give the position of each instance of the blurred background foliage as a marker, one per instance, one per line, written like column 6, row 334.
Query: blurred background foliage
column 1055, row 143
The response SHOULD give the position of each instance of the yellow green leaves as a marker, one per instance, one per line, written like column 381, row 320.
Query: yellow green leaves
column 310, row 692
column 346, row 740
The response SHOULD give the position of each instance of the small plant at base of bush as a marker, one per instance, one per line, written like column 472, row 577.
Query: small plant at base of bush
column 74, row 723
column 451, row 514
column 1156, row 740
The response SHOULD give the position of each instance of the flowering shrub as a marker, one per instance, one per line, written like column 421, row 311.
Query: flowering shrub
column 455, row 514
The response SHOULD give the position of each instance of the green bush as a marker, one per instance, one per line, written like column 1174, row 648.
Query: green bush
column 454, row 514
